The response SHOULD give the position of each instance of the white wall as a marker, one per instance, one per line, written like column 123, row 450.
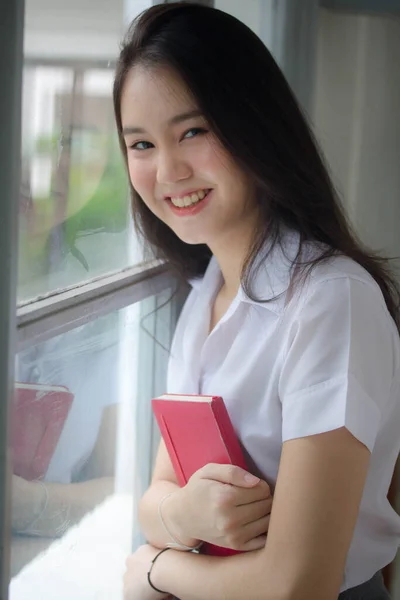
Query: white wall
column 289, row 30
column 356, row 114
column 357, row 104
column 247, row 11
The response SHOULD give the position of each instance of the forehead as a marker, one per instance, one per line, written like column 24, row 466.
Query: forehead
column 154, row 93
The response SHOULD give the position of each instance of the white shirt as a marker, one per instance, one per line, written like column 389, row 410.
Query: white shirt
column 326, row 358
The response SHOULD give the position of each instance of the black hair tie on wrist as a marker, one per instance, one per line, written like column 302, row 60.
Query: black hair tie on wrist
column 151, row 567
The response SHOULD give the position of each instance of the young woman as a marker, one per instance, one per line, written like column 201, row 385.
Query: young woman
column 290, row 320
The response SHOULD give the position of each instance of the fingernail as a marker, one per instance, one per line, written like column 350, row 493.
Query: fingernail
column 251, row 478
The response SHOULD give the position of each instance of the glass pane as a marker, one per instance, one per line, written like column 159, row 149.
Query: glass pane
column 81, row 445
column 74, row 208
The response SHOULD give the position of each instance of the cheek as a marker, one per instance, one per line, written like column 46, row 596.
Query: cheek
column 229, row 172
column 218, row 163
column 142, row 177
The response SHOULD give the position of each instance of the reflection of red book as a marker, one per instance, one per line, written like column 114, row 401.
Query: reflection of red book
column 196, row 431
column 37, row 420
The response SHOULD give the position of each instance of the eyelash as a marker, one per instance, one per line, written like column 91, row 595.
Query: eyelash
column 198, row 130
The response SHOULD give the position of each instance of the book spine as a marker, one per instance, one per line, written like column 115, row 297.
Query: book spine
column 170, row 446
column 228, row 433
column 236, row 455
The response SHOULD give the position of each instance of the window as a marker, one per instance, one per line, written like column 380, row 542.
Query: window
column 74, row 218
column 94, row 320
column 79, row 510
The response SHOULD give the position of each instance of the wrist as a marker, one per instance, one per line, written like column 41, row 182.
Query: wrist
column 173, row 514
column 159, row 570
column 35, row 500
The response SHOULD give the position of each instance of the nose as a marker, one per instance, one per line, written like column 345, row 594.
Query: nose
column 172, row 167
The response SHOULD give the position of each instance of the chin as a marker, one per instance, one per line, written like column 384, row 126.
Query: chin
column 192, row 239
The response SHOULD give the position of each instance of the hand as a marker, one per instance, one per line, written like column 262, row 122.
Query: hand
column 218, row 505
column 136, row 585
column 20, row 486
column 28, row 499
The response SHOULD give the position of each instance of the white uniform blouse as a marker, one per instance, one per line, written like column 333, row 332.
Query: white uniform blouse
column 326, row 358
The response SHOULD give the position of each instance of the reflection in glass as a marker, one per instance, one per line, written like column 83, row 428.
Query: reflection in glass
column 74, row 209
column 74, row 491
column 71, row 464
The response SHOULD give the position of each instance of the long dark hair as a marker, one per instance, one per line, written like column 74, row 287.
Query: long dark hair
column 251, row 109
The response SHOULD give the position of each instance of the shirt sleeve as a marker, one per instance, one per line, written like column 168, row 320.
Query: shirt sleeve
column 339, row 363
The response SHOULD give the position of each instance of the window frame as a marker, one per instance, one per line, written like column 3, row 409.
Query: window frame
column 61, row 311
column 11, row 62
column 38, row 319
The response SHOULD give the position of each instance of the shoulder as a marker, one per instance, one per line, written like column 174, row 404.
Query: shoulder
column 341, row 354
column 342, row 279
column 342, row 267
column 342, row 304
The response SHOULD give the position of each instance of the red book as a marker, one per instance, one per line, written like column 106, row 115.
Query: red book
column 197, row 431
column 38, row 414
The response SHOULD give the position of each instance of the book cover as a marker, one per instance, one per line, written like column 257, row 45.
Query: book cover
column 38, row 414
column 197, row 430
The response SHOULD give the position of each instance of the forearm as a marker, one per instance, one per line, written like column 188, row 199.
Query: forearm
column 24, row 550
column 172, row 513
column 51, row 508
column 190, row 576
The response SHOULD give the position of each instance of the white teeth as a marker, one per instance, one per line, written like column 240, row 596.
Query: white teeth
column 178, row 202
column 189, row 200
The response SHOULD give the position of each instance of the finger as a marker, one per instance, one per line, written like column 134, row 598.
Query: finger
column 249, row 537
column 228, row 474
column 249, row 495
column 248, row 513
column 255, row 529
column 255, row 544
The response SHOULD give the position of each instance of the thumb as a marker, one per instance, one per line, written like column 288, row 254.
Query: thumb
column 255, row 544
column 228, row 474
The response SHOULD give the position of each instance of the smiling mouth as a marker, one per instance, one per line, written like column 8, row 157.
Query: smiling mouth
column 189, row 200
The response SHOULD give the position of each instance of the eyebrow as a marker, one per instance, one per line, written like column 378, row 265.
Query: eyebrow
column 173, row 121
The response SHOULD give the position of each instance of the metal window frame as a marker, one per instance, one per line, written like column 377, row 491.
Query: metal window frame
column 153, row 368
column 11, row 61
column 66, row 63
column 61, row 311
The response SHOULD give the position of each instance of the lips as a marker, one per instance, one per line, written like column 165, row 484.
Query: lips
column 193, row 208
column 188, row 199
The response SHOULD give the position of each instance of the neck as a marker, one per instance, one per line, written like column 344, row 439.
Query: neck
column 231, row 253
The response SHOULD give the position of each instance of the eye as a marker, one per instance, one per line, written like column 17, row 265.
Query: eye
column 194, row 132
column 141, row 146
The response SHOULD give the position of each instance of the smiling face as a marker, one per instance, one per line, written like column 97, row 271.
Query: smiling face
column 178, row 166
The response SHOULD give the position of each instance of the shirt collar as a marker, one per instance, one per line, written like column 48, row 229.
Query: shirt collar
column 271, row 277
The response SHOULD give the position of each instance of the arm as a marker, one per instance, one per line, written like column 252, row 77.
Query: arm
column 163, row 482
column 58, row 505
column 221, row 504
column 312, row 522
column 58, row 508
